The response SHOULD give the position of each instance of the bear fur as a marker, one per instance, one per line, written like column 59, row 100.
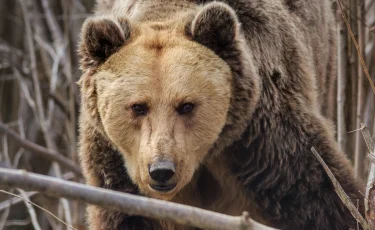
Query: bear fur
column 275, row 66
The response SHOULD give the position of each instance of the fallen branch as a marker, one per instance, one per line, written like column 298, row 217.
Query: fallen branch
column 130, row 204
column 341, row 193
column 41, row 151
column 15, row 200
column 370, row 188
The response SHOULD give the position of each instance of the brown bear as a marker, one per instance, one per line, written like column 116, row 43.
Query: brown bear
column 214, row 104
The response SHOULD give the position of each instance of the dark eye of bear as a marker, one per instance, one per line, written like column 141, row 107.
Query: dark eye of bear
column 140, row 109
column 185, row 108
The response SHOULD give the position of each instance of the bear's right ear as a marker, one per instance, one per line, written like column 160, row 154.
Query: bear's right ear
column 100, row 38
column 214, row 26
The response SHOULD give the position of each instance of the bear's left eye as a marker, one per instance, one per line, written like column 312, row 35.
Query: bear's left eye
column 185, row 108
column 140, row 109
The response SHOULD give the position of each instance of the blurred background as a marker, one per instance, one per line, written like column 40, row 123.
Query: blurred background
column 39, row 97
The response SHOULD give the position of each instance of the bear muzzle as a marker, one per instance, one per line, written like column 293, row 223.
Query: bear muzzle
column 162, row 173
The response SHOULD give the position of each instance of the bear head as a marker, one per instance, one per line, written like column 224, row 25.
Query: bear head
column 167, row 94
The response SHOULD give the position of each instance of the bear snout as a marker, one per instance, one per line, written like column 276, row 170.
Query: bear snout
column 161, row 173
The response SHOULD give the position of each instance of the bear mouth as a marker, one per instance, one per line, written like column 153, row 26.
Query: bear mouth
column 163, row 187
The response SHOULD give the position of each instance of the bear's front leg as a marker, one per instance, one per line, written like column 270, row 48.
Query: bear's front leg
column 102, row 219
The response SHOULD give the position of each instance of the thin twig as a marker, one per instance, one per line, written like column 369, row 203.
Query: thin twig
column 52, row 23
column 67, row 211
column 29, row 207
column 341, row 87
column 14, row 201
column 370, row 196
column 60, row 102
column 10, row 223
column 128, row 203
column 28, row 203
column 341, row 193
column 352, row 14
column 33, row 63
column 4, row 217
column 356, row 130
column 358, row 154
column 363, row 63
column 25, row 90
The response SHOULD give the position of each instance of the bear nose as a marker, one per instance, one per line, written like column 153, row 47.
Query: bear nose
column 162, row 171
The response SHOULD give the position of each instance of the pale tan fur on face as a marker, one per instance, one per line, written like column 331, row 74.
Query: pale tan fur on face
column 163, row 75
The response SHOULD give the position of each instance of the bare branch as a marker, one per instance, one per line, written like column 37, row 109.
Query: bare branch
column 25, row 90
column 4, row 217
column 31, row 210
column 130, row 204
column 358, row 155
column 67, row 212
column 30, row 205
column 34, row 72
column 52, row 23
column 363, row 63
column 370, row 192
column 11, row 223
column 60, row 102
column 341, row 87
column 15, row 200
column 41, row 151
column 341, row 193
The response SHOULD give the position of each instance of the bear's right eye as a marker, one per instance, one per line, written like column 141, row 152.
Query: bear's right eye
column 185, row 108
column 140, row 109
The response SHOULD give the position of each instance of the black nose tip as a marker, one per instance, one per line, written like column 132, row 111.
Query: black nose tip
column 162, row 171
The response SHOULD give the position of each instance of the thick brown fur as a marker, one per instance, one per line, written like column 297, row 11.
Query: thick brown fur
column 278, row 60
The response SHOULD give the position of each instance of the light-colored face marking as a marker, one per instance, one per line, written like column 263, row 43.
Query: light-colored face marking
column 162, row 71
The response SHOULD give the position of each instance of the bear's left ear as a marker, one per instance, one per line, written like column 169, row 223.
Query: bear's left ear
column 214, row 26
column 101, row 37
